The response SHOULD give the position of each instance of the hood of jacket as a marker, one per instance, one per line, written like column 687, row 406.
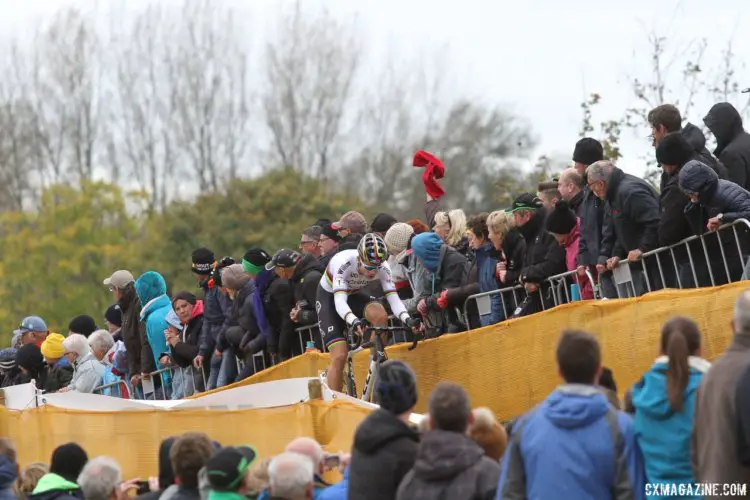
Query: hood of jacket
column 572, row 406
column 694, row 136
column 8, row 472
column 149, row 286
column 154, row 305
column 427, row 247
column 197, row 309
column 379, row 429
column 166, row 474
column 443, row 455
column 305, row 265
column 54, row 482
column 650, row 393
column 696, row 177
column 725, row 122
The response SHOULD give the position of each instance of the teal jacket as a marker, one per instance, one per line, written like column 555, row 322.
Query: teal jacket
column 152, row 292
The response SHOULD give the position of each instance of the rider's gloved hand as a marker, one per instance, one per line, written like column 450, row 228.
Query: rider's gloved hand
column 413, row 323
column 358, row 325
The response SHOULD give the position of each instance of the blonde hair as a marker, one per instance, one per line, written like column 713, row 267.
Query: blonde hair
column 501, row 222
column 456, row 221
column 487, row 432
column 257, row 479
column 28, row 479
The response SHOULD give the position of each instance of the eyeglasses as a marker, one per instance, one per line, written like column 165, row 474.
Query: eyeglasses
column 308, row 242
column 369, row 268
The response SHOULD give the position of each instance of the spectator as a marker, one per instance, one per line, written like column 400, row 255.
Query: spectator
column 303, row 276
column 397, row 239
column 68, row 460
column 412, row 267
column 291, row 476
column 384, row 441
column 571, row 188
column 217, row 312
column 240, row 287
column 59, row 371
column 9, row 370
column 152, row 292
column 227, row 472
column 664, row 402
column 87, row 370
column 511, row 245
column 487, row 432
column 543, row 258
column 8, row 469
column 31, row 364
column 101, row 479
column 203, row 262
column 382, row 223
column 82, row 325
column 566, row 228
column 310, row 241
column 732, row 142
column 451, row 228
column 188, row 455
column 445, row 269
column 721, row 434
column 548, row 193
column 311, row 449
column 113, row 320
column 183, row 347
column 33, row 330
column 449, row 464
column 350, row 223
column 329, row 244
column 575, row 426
column 635, row 222
column 28, row 479
column 258, row 480
column 608, row 386
column 418, row 226
column 122, row 286
column 715, row 202
column 166, row 478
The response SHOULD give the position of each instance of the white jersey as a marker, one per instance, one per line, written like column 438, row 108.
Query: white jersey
column 342, row 277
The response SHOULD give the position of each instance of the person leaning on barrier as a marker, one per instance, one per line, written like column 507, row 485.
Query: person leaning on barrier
column 310, row 241
column 88, row 370
column 59, row 371
column 240, row 287
column 562, row 222
column 635, row 221
column 732, row 142
column 548, row 193
column 303, row 276
column 505, row 238
column 570, row 186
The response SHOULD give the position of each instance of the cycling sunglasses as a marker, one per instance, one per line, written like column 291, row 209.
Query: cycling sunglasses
column 369, row 268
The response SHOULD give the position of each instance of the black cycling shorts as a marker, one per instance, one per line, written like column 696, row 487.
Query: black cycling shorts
column 332, row 328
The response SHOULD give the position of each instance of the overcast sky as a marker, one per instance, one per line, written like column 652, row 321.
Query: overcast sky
column 541, row 57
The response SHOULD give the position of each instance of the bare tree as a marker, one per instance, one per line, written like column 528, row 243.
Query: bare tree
column 311, row 68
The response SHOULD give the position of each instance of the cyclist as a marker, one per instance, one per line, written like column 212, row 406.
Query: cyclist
column 341, row 301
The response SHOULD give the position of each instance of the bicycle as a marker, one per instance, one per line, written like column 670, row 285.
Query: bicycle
column 379, row 356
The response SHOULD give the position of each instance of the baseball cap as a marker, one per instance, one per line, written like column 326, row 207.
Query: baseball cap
column 526, row 201
column 284, row 258
column 353, row 221
column 382, row 223
column 120, row 279
column 32, row 324
column 226, row 469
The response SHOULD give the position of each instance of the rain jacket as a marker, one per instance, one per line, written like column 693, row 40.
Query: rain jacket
column 304, row 283
column 54, row 487
column 450, row 465
column 88, row 374
column 152, row 292
column 732, row 142
column 718, row 195
column 577, row 427
column 8, row 476
column 217, row 313
column 663, row 434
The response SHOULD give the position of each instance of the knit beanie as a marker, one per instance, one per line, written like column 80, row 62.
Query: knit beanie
column 234, row 277
column 8, row 358
column 255, row 261
column 114, row 315
column 382, row 223
column 68, row 461
column 396, row 387
column 561, row 219
column 29, row 357
column 203, row 261
column 186, row 296
column 674, row 150
column 83, row 325
column 397, row 237
column 588, row 151
column 52, row 347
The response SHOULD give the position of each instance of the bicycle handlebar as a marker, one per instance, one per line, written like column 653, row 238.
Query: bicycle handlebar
column 369, row 330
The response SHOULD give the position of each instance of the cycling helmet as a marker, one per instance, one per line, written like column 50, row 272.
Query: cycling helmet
column 372, row 250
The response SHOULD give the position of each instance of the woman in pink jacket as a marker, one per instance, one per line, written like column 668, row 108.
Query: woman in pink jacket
column 566, row 228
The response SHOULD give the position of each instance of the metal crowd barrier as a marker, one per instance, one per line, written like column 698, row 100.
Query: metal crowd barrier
column 115, row 389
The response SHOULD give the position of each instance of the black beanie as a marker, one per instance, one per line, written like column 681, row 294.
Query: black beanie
column 203, row 261
column 83, row 324
column 396, row 388
column 561, row 219
column 186, row 296
column 29, row 357
column 114, row 315
column 674, row 150
column 68, row 461
column 216, row 273
column 588, row 151
column 257, row 257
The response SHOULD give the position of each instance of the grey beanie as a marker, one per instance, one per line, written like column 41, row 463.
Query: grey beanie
column 234, row 277
column 397, row 237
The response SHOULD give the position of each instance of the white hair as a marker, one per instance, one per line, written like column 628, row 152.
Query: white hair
column 77, row 343
column 308, row 447
column 101, row 341
column 742, row 313
column 291, row 475
column 99, row 478
column 601, row 170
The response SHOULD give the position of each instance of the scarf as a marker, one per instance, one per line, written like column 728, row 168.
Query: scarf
column 262, row 282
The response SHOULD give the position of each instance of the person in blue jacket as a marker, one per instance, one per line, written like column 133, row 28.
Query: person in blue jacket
column 155, row 305
column 574, row 444
column 664, row 404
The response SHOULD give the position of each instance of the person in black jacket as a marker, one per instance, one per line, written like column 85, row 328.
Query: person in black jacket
column 544, row 256
column 715, row 202
column 303, row 274
column 385, row 445
column 732, row 142
column 570, row 185
column 635, row 223
column 183, row 348
column 240, row 287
